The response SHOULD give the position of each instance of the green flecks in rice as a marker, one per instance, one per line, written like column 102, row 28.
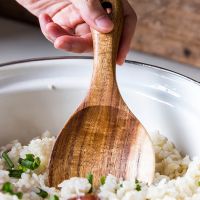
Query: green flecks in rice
column 176, row 178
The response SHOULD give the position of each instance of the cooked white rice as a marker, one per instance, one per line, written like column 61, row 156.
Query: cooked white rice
column 177, row 177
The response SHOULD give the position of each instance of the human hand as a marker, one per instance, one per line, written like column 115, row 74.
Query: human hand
column 66, row 23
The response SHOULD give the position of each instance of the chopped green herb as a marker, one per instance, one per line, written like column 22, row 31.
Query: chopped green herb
column 8, row 188
column 19, row 195
column 42, row 193
column 138, row 187
column 30, row 157
column 54, row 197
column 20, row 167
column 15, row 173
column 121, row 185
column 90, row 180
column 30, row 162
column 198, row 183
column 103, row 180
column 7, row 159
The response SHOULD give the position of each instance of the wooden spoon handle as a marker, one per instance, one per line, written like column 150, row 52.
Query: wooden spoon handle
column 103, row 86
column 106, row 45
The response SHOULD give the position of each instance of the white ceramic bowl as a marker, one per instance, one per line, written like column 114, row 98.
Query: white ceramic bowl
column 39, row 95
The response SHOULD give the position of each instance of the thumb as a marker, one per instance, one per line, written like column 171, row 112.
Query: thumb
column 94, row 15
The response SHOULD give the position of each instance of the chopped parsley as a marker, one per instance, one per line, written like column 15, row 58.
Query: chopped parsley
column 8, row 188
column 102, row 180
column 7, row 159
column 198, row 183
column 42, row 193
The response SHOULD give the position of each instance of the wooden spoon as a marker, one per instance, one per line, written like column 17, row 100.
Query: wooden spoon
column 103, row 136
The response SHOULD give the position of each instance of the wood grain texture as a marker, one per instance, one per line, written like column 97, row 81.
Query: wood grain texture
column 168, row 28
column 103, row 136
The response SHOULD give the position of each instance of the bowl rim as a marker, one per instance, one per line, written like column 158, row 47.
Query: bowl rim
column 155, row 67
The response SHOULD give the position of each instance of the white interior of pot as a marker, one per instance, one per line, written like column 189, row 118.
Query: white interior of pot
column 41, row 95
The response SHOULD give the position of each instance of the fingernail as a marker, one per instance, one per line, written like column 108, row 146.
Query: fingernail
column 120, row 61
column 104, row 22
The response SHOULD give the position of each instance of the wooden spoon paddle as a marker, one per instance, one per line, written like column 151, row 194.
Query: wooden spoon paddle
column 103, row 136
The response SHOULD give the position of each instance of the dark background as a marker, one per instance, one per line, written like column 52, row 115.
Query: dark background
column 11, row 9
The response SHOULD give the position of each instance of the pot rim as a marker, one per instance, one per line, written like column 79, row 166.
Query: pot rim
column 91, row 57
